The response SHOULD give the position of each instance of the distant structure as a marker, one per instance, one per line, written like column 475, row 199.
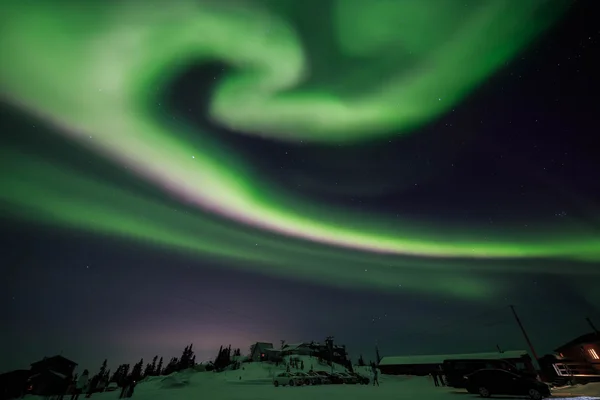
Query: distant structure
column 427, row 364
column 263, row 351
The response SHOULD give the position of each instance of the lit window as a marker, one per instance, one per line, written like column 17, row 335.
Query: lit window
column 593, row 354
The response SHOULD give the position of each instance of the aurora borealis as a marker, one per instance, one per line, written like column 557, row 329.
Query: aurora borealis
column 329, row 79
column 99, row 84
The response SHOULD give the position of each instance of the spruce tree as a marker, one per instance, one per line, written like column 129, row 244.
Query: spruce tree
column 102, row 371
column 136, row 373
column 120, row 374
column 172, row 366
column 125, row 370
column 115, row 376
column 154, row 365
column 158, row 370
column 186, row 358
column 361, row 361
column 148, row 370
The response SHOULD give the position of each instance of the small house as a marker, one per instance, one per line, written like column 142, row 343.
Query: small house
column 50, row 375
column 263, row 351
column 583, row 349
column 58, row 364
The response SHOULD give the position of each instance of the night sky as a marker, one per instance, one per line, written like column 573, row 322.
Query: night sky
column 382, row 171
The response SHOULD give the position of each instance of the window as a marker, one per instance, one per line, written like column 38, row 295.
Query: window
column 593, row 354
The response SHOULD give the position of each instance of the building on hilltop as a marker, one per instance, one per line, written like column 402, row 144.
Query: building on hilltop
column 264, row 351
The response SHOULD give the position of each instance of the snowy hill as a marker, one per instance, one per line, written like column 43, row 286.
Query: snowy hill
column 255, row 372
column 254, row 382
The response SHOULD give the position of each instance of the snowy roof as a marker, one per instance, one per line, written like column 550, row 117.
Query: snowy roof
column 260, row 347
column 55, row 358
column 59, row 374
column 591, row 337
column 295, row 345
column 439, row 358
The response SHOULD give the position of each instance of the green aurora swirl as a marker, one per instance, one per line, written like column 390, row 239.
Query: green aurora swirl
column 93, row 72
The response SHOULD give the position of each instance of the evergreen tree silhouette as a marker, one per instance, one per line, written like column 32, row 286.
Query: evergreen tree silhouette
column 153, row 368
column 361, row 361
column 148, row 370
column 136, row 372
column 125, row 370
column 349, row 365
column 115, row 376
column 172, row 366
column 186, row 358
column 223, row 358
column 119, row 375
column 102, row 371
column 158, row 370
column 217, row 363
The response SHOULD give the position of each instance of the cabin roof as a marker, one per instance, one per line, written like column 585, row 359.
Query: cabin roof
column 57, row 358
column 591, row 337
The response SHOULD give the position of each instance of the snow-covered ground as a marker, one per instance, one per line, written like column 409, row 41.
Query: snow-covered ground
column 254, row 382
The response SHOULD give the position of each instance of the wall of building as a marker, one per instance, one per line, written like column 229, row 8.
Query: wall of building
column 584, row 353
column 416, row 369
column 592, row 353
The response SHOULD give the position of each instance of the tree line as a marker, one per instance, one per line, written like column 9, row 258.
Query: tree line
column 226, row 356
column 141, row 371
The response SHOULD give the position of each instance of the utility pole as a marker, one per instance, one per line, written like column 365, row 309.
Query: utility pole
column 589, row 321
column 524, row 332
